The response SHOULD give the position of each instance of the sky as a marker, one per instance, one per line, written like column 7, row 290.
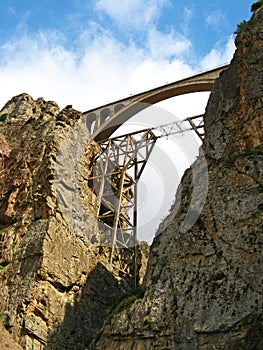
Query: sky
column 91, row 52
column 87, row 53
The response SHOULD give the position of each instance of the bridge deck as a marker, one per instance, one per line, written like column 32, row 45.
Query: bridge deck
column 106, row 119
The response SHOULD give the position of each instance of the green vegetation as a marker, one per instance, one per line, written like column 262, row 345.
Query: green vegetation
column 8, row 138
column 1, row 322
column 219, row 253
column 1, row 267
column 147, row 321
column 98, row 332
column 123, row 301
column 256, row 5
column 241, row 27
column 3, row 117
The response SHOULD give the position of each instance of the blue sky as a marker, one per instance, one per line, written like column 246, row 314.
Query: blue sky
column 91, row 52
column 88, row 53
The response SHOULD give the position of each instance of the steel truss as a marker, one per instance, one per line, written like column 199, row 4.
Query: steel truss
column 196, row 125
column 116, row 171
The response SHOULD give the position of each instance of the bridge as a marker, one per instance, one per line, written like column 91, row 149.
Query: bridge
column 116, row 170
column 104, row 120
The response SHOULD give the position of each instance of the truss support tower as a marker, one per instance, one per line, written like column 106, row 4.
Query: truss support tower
column 114, row 179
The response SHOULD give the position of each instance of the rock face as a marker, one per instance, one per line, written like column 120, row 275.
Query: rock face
column 56, row 282
column 204, row 285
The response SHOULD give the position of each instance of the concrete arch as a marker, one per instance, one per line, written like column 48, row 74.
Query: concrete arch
column 134, row 104
column 91, row 121
column 104, row 115
column 118, row 107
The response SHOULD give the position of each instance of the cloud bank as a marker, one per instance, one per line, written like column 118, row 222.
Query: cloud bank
column 119, row 52
column 132, row 13
column 101, row 67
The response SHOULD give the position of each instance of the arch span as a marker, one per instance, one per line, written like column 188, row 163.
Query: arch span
column 128, row 107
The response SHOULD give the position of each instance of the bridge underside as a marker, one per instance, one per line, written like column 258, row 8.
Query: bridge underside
column 119, row 164
column 103, row 121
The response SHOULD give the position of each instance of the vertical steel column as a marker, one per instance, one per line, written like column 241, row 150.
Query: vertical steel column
column 135, row 220
column 118, row 157
column 117, row 218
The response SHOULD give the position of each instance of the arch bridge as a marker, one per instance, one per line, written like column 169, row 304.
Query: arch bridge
column 104, row 120
column 117, row 167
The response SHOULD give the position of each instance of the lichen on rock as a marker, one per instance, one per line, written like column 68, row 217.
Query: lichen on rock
column 203, row 287
column 56, row 281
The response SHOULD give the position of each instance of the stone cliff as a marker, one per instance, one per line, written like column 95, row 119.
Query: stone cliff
column 56, row 280
column 203, row 285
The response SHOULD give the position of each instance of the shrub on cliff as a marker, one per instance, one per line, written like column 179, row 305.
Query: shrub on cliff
column 256, row 5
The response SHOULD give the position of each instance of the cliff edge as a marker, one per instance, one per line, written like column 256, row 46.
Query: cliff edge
column 59, row 287
column 204, row 285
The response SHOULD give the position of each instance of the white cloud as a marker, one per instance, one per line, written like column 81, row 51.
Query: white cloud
column 186, row 19
column 103, row 70
column 215, row 18
column 153, row 73
column 11, row 10
column 135, row 13
column 167, row 45
column 219, row 55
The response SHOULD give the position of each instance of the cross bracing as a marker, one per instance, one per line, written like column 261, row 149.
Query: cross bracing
column 121, row 160
column 116, row 171
column 196, row 125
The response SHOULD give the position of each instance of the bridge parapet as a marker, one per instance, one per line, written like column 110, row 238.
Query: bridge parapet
column 104, row 120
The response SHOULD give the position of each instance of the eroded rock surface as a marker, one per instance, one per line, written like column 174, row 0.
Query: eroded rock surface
column 204, row 287
column 56, row 282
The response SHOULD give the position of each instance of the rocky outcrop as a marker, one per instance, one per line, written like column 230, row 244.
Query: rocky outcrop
column 204, row 285
column 6, row 341
column 56, row 282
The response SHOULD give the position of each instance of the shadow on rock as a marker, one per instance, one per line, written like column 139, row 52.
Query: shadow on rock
column 84, row 319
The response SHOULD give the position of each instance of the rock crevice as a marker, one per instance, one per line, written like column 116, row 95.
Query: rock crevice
column 203, row 287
